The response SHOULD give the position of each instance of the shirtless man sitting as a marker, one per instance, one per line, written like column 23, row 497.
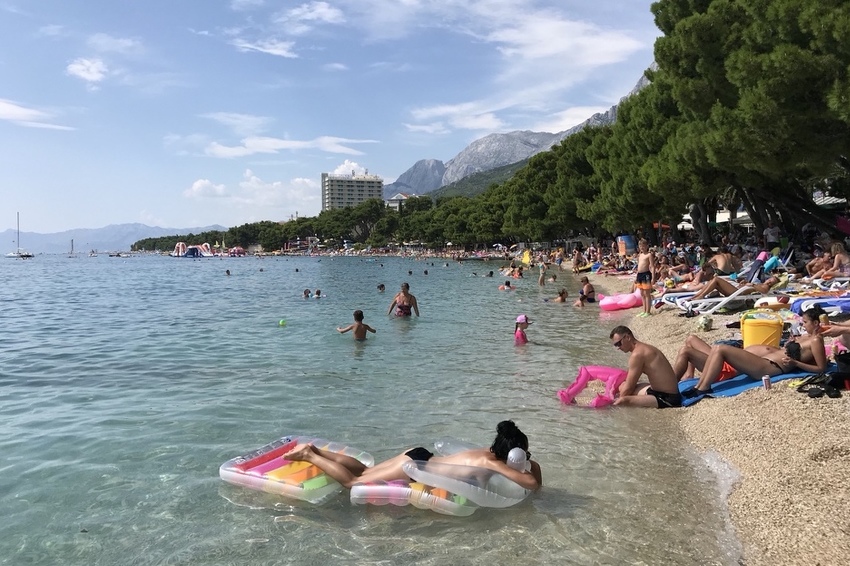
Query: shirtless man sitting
column 724, row 262
column 759, row 360
column 662, row 391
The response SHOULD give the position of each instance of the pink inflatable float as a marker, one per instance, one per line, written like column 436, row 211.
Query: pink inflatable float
column 612, row 377
column 622, row 301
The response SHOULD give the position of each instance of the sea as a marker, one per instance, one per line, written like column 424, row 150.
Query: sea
column 126, row 382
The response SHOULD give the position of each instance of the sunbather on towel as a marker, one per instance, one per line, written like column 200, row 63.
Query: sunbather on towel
column 726, row 287
column 757, row 361
column 693, row 354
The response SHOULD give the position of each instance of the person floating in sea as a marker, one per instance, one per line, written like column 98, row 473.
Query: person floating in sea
column 506, row 287
column 317, row 294
column 662, row 391
column 522, row 322
column 349, row 471
column 562, row 296
column 381, row 287
column 307, row 294
column 404, row 303
column 359, row 327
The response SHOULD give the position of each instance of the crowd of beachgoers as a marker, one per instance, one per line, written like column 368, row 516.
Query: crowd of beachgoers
column 791, row 449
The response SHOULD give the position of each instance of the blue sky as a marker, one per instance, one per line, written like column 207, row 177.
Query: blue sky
column 186, row 113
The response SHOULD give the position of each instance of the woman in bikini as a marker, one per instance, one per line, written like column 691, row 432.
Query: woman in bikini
column 840, row 264
column 759, row 360
column 587, row 294
column 726, row 287
column 349, row 471
column 404, row 303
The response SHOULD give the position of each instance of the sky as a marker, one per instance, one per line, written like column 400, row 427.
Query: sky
column 190, row 113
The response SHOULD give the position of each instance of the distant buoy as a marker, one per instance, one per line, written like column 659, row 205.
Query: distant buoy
column 281, row 323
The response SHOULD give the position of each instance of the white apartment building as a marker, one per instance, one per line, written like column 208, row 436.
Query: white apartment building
column 340, row 191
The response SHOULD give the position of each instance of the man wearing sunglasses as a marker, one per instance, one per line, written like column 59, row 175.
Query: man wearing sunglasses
column 662, row 391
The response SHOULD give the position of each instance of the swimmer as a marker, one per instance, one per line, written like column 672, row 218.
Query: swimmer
column 489, row 274
column 522, row 322
column 404, row 302
column 307, row 293
column 349, row 471
column 317, row 294
column 506, row 286
column 562, row 296
column 381, row 287
column 227, row 272
column 359, row 327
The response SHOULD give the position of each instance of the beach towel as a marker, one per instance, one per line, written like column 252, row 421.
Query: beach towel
column 740, row 383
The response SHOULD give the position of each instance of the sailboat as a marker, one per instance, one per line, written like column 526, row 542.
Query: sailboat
column 71, row 253
column 20, row 253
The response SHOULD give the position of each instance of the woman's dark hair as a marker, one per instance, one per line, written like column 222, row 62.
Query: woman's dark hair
column 508, row 436
column 814, row 312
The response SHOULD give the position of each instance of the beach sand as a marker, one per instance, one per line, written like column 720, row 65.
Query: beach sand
column 792, row 503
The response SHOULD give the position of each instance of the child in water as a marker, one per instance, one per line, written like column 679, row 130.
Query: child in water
column 359, row 327
column 522, row 322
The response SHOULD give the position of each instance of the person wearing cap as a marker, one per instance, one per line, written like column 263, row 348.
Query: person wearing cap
column 587, row 294
column 522, row 322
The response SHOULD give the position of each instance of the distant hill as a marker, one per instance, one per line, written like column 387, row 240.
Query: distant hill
column 477, row 183
column 490, row 153
column 115, row 237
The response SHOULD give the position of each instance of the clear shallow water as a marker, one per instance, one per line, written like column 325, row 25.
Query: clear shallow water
column 125, row 383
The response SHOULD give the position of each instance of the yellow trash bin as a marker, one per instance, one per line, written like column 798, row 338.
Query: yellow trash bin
column 761, row 327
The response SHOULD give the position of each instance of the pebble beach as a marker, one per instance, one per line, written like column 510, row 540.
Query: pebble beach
column 791, row 504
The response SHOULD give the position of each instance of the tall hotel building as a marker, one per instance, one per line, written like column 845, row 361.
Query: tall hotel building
column 340, row 191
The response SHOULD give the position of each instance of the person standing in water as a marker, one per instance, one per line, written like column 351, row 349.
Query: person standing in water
column 359, row 327
column 404, row 303
column 522, row 322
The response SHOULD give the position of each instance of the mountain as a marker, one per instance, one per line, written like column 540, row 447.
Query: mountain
column 115, row 237
column 492, row 152
column 496, row 150
column 425, row 176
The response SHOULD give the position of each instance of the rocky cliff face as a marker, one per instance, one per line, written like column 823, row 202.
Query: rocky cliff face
column 496, row 150
column 425, row 176
column 493, row 151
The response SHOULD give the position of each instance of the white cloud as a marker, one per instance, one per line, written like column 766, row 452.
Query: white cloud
column 258, row 144
column 240, row 5
column 485, row 121
column 204, row 188
column 335, row 67
column 348, row 167
column 106, row 43
column 92, row 71
column 568, row 118
column 433, row 128
column 241, row 124
column 185, row 145
column 27, row 117
column 51, row 31
column 302, row 19
column 269, row 46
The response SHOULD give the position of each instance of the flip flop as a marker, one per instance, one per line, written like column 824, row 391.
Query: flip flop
column 815, row 392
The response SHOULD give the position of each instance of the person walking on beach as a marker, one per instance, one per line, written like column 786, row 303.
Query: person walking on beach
column 349, row 471
column 522, row 322
column 359, row 327
column 404, row 303
column 645, row 278
column 662, row 391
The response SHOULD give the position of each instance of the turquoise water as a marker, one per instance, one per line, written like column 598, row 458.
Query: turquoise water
column 125, row 383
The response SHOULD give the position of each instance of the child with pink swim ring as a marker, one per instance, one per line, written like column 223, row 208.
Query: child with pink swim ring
column 522, row 322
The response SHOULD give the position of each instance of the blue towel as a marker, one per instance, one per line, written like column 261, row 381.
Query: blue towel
column 740, row 383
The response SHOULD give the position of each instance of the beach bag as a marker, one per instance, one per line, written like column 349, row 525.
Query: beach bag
column 843, row 362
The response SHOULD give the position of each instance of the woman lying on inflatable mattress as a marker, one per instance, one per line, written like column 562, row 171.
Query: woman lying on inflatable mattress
column 349, row 471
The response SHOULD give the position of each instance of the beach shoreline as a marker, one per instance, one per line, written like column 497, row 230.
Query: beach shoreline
column 792, row 452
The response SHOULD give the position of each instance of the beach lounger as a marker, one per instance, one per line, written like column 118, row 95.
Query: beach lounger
column 713, row 304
